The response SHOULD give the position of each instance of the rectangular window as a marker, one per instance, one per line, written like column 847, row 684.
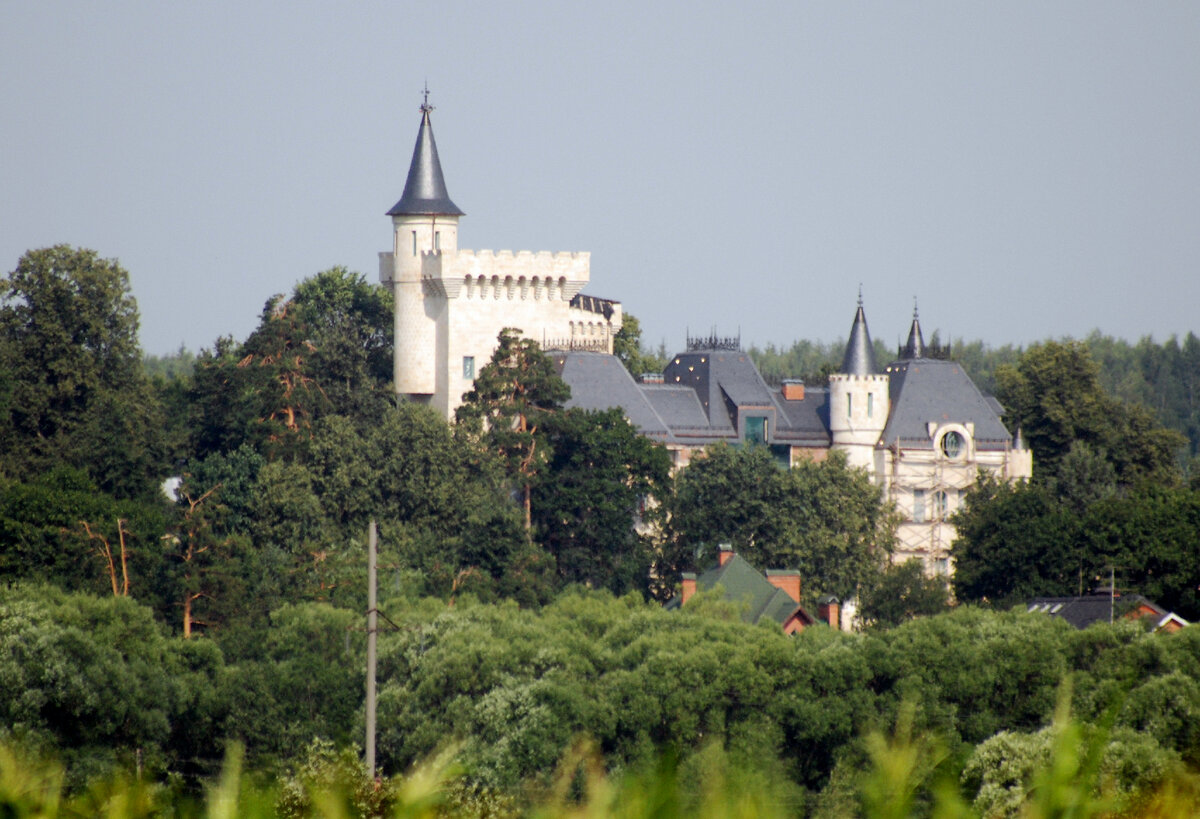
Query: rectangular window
column 918, row 506
column 754, row 430
column 849, row 405
column 870, row 403
column 469, row 366
column 414, row 243
column 437, row 240
column 941, row 566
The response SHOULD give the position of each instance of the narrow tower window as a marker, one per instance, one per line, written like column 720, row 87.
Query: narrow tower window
column 849, row 405
column 437, row 240
column 468, row 366
column 870, row 404
column 414, row 243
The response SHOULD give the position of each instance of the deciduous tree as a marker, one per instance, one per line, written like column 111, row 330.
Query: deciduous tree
column 506, row 410
column 76, row 393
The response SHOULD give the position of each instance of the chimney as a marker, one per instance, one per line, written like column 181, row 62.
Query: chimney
column 689, row 586
column 829, row 609
column 724, row 552
column 793, row 389
column 786, row 579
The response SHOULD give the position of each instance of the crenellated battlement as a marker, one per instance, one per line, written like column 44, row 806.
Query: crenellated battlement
column 543, row 264
column 874, row 378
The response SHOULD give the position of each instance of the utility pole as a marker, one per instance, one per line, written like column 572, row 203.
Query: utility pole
column 1112, row 592
column 372, row 621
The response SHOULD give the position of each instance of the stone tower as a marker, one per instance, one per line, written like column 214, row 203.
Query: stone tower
column 858, row 397
column 451, row 304
column 425, row 220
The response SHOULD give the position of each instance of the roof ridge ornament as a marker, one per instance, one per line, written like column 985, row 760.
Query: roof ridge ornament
column 425, row 106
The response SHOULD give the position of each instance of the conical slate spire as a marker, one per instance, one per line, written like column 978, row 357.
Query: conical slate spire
column 915, row 348
column 425, row 191
column 860, row 354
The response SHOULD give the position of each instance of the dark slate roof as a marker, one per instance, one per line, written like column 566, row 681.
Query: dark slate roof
column 723, row 381
column 807, row 421
column 915, row 346
column 746, row 585
column 1082, row 612
column 599, row 381
column 425, row 189
column 699, row 401
column 926, row 389
column 677, row 406
column 860, row 354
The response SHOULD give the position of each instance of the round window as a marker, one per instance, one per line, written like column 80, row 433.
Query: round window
column 953, row 444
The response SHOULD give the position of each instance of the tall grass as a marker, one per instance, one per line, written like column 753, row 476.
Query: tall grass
column 905, row 776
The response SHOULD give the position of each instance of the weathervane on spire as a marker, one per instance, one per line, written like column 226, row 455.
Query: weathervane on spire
column 860, row 294
column 425, row 106
column 914, row 307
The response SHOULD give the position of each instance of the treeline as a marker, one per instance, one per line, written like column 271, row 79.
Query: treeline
column 967, row 699
column 525, row 553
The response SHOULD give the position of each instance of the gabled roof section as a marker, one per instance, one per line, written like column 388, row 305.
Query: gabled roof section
column 425, row 190
column 599, row 381
column 1082, row 612
column 928, row 390
column 746, row 585
column 723, row 380
column 860, row 354
column 805, row 422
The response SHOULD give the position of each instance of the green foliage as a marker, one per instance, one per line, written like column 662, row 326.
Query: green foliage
column 902, row 592
column 1054, row 396
column 324, row 351
column 506, row 410
column 97, row 678
column 75, row 393
column 305, row 680
column 1019, row 541
column 60, row 528
column 825, row 519
column 595, row 492
column 1014, row 542
column 627, row 347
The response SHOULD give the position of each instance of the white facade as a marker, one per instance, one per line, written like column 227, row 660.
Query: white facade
column 451, row 304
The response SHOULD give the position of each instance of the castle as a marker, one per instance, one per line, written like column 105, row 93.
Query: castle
column 919, row 425
column 451, row 304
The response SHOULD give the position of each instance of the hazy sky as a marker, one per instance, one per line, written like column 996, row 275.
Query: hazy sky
column 1027, row 170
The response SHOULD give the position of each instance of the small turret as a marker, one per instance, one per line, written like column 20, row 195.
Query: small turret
column 858, row 397
column 914, row 348
column 860, row 353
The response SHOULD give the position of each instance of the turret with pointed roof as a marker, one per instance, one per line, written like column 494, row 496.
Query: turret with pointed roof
column 425, row 190
column 860, row 354
column 858, row 396
column 915, row 346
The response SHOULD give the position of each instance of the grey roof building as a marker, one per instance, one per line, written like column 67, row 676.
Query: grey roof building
column 919, row 425
column 1085, row 610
